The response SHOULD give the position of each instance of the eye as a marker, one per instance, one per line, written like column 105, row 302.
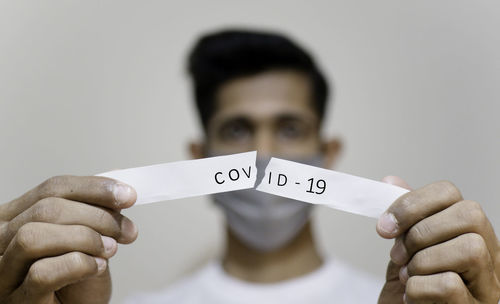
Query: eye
column 290, row 130
column 235, row 131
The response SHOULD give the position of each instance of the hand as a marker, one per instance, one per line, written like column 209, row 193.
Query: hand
column 55, row 240
column 445, row 249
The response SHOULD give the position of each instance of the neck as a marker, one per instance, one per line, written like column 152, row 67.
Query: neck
column 295, row 259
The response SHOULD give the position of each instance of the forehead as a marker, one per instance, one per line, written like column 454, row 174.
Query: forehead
column 266, row 95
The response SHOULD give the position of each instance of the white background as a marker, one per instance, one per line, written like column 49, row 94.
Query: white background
column 89, row 86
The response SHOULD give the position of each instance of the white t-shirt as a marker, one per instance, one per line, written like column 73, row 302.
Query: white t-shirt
column 334, row 282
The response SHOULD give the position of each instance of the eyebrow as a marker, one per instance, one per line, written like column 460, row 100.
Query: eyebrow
column 240, row 119
column 283, row 116
column 293, row 116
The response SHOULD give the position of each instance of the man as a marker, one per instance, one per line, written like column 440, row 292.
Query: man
column 254, row 91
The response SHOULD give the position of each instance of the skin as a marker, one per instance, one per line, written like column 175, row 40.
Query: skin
column 445, row 250
column 55, row 239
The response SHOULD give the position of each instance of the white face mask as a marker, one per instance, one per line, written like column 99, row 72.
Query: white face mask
column 263, row 221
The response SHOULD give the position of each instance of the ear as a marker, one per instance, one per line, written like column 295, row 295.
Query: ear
column 331, row 151
column 197, row 149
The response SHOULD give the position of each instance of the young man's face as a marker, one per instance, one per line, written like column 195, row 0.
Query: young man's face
column 271, row 112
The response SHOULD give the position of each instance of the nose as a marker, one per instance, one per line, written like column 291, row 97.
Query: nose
column 264, row 143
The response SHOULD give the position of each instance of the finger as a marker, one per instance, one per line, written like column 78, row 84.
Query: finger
column 461, row 218
column 100, row 286
column 38, row 240
column 416, row 205
column 445, row 287
column 96, row 190
column 51, row 274
column 393, row 290
column 466, row 255
column 396, row 181
column 61, row 211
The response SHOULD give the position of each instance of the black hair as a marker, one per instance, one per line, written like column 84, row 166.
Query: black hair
column 225, row 55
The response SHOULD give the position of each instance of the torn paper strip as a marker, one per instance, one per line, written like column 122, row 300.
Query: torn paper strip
column 326, row 187
column 189, row 178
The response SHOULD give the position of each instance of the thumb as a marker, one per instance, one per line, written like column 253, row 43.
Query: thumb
column 388, row 220
column 396, row 181
column 393, row 290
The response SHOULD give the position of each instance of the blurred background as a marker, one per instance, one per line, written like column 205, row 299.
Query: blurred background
column 90, row 86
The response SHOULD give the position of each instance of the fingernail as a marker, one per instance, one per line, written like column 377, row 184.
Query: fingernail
column 387, row 223
column 109, row 246
column 403, row 274
column 101, row 265
column 123, row 194
column 399, row 255
column 129, row 230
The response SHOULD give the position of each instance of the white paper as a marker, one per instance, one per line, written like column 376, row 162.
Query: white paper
column 326, row 187
column 238, row 171
column 190, row 178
